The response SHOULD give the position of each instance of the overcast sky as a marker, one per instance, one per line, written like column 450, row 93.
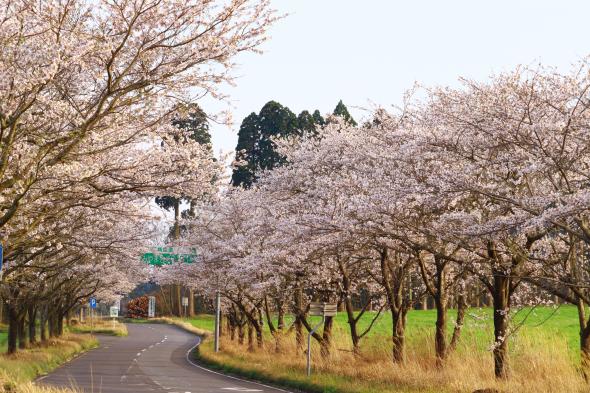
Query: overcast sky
column 368, row 52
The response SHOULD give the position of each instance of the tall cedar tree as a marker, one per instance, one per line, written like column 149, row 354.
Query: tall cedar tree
column 275, row 121
column 342, row 111
column 248, row 137
column 193, row 120
column 255, row 150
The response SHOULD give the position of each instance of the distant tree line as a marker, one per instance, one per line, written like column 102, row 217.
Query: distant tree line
column 255, row 150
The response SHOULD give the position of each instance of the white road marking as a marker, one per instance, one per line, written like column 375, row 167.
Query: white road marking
column 242, row 389
column 227, row 376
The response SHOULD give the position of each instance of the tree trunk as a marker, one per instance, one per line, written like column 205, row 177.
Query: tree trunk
column 32, row 327
column 259, row 339
column 501, row 302
column 271, row 327
column 177, row 300
column 393, row 277
column 354, row 336
column 12, row 344
column 22, row 332
column 250, row 338
column 348, row 306
column 191, row 303
column 299, row 339
column 231, row 325
column 241, row 333
column 43, row 324
column 398, row 338
column 280, row 316
column 51, row 325
column 461, row 307
column 60, row 325
column 440, row 336
column 585, row 350
column 326, row 337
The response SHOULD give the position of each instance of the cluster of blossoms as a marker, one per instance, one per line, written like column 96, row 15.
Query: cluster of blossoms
column 485, row 187
column 88, row 90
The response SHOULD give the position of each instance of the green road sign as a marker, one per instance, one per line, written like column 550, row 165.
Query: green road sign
column 167, row 255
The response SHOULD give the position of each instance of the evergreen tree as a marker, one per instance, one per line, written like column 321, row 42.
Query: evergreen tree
column 306, row 123
column 196, row 123
column 246, row 151
column 318, row 119
column 193, row 121
column 255, row 146
column 275, row 120
column 342, row 111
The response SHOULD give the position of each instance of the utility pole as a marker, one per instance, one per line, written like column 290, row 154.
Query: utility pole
column 217, row 319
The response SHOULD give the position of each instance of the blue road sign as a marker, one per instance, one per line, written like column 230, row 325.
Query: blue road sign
column 92, row 302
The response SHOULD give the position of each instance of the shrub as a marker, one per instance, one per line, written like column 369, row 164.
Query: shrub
column 138, row 307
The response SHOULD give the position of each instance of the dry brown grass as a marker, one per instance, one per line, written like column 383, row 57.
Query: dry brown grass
column 181, row 324
column 18, row 370
column 539, row 364
column 32, row 388
column 100, row 326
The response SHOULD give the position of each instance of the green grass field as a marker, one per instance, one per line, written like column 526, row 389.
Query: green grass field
column 559, row 322
column 544, row 355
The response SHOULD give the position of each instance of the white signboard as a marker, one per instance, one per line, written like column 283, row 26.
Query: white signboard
column 152, row 307
column 114, row 312
column 185, row 301
column 323, row 309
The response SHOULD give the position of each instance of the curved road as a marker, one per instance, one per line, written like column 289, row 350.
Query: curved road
column 152, row 358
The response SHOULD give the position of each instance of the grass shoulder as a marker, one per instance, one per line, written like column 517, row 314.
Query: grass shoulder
column 190, row 325
column 19, row 370
column 543, row 349
column 99, row 326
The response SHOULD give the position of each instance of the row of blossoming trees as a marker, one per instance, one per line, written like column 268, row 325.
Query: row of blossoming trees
column 88, row 89
column 487, row 185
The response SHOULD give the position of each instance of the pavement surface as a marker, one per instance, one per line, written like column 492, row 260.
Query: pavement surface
column 152, row 358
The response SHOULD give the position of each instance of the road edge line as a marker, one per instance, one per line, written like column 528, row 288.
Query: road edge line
column 225, row 375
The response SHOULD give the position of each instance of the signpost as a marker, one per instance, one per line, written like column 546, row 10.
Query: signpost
column 323, row 310
column 1, row 258
column 217, row 319
column 160, row 256
column 151, row 306
column 185, row 305
column 92, row 303
column 114, row 312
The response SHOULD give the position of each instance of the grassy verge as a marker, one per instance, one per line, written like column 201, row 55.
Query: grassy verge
column 17, row 371
column 543, row 355
column 181, row 323
column 113, row 328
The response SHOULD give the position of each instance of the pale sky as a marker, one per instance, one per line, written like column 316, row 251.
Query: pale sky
column 369, row 52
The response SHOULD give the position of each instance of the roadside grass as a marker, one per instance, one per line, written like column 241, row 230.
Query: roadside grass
column 99, row 326
column 544, row 356
column 182, row 323
column 17, row 371
column 204, row 322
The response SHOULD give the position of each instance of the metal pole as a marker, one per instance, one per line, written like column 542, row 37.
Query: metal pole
column 309, row 335
column 217, row 319
column 91, row 320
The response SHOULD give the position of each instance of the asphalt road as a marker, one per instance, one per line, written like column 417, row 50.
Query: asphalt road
column 152, row 358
